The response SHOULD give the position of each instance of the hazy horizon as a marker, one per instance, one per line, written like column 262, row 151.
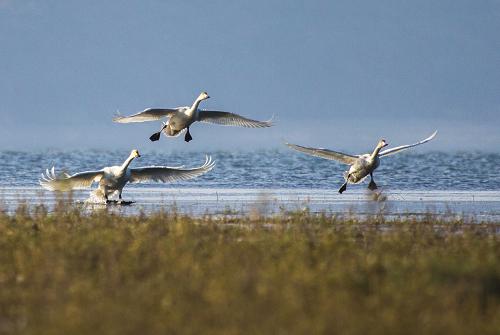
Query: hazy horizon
column 339, row 75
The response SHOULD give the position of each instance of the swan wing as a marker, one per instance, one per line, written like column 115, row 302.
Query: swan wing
column 149, row 114
column 231, row 119
column 392, row 151
column 325, row 153
column 65, row 182
column 169, row 174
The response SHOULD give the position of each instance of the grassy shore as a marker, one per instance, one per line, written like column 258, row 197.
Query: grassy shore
column 69, row 273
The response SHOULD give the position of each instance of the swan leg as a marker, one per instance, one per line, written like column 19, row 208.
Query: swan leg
column 372, row 186
column 156, row 136
column 105, row 192
column 188, row 136
column 344, row 186
column 121, row 201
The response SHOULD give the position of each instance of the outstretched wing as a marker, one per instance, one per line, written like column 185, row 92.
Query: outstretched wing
column 231, row 119
column 404, row 147
column 65, row 182
column 169, row 174
column 325, row 153
column 149, row 114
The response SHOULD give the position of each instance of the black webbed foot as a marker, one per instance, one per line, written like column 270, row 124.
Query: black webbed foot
column 343, row 187
column 155, row 136
column 372, row 186
column 188, row 136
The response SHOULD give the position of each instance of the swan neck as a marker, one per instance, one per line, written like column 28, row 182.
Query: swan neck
column 127, row 162
column 195, row 105
column 375, row 152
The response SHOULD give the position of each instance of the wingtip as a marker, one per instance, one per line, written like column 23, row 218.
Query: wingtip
column 117, row 116
column 433, row 134
column 45, row 183
column 290, row 145
column 209, row 163
column 47, row 177
column 272, row 121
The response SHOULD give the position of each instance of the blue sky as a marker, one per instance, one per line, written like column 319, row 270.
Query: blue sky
column 337, row 74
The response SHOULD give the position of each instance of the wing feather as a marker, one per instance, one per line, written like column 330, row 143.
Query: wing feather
column 392, row 151
column 149, row 114
column 325, row 153
column 231, row 119
column 169, row 174
column 65, row 182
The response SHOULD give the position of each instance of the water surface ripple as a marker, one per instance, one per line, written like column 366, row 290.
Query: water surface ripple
column 273, row 169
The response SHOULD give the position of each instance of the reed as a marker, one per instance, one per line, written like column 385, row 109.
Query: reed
column 295, row 273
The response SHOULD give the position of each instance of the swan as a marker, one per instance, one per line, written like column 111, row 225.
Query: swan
column 181, row 118
column 360, row 165
column 113, row 179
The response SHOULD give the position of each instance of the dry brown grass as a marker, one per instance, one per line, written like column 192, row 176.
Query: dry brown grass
column 68, row 273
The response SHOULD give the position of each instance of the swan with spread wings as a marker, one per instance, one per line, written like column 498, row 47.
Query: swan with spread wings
column 112, row 179
column 360, row 165
column 181, row 118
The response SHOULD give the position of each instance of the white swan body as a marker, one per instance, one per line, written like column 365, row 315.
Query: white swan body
column 181, row 118
column 360, row 165
column 113, row 179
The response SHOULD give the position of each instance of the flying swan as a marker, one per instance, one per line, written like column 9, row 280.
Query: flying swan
column 113, row 179
column 360, row 165
column 181, row 118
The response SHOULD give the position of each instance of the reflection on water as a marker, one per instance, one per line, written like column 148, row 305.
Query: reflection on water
column 481, row 205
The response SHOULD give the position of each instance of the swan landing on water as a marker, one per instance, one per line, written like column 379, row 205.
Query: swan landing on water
column 360, row 165
column 112, row 179
column 181, row 118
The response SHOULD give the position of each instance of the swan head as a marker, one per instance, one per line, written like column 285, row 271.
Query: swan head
column 382, row 143
column 135, row 153
column 203, row 96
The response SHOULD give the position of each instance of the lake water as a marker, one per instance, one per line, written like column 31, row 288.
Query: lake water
column 466, row 183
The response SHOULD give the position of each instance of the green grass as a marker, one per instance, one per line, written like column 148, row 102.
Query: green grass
column 67, row 273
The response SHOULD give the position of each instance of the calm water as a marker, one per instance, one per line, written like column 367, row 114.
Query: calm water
column 466, row 184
